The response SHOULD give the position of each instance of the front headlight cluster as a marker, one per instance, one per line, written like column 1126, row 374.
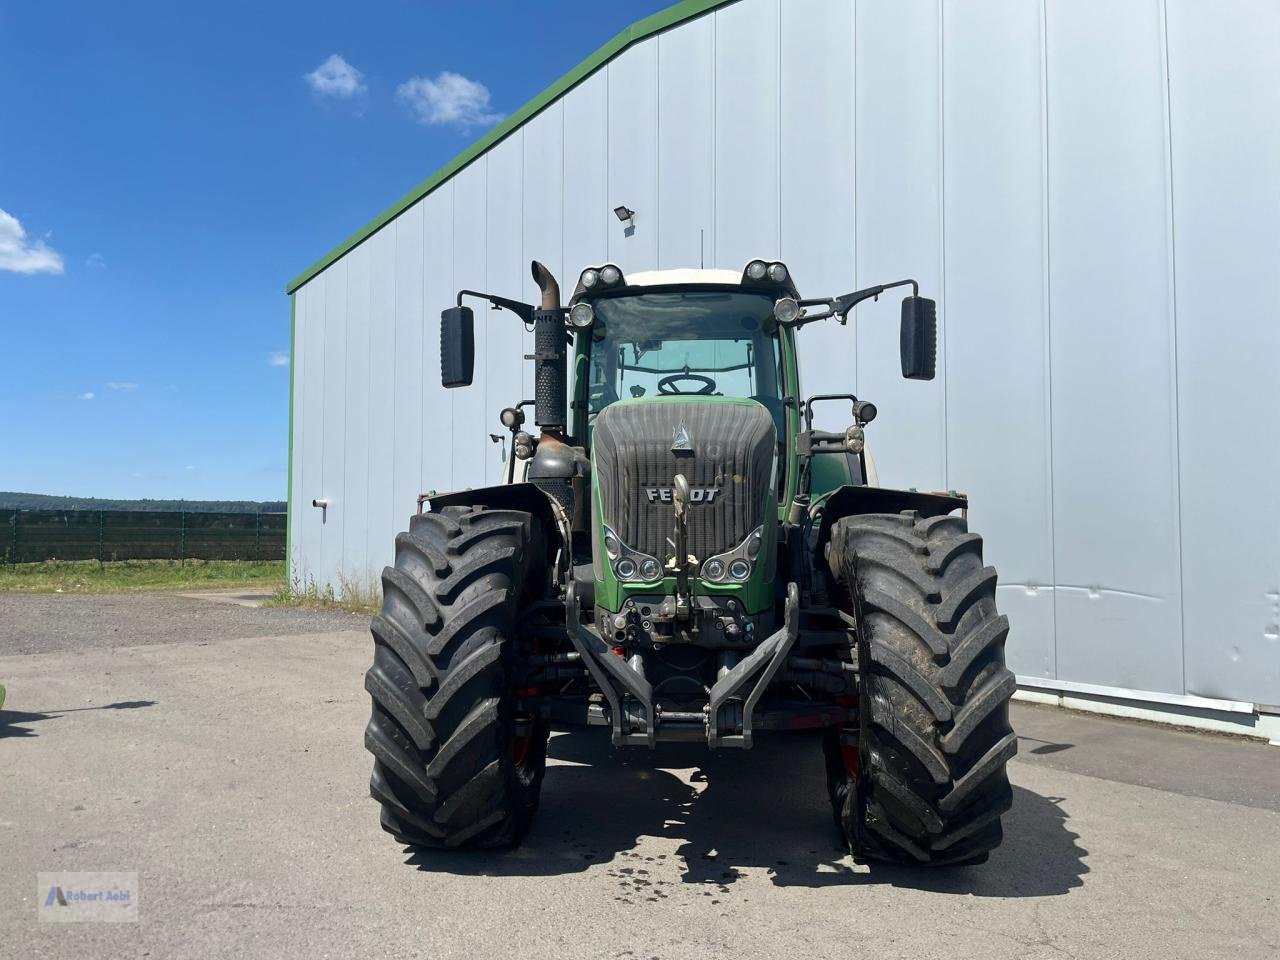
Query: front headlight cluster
column 760, row 271
column 593, row 280
column 630, row 566
column 600, row 278
column 737, row 565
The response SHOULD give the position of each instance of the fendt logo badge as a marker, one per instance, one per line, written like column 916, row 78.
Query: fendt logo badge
column 681, row 442
column 696, row 494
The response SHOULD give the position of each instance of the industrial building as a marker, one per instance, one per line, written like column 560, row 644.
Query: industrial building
column 1089, row 188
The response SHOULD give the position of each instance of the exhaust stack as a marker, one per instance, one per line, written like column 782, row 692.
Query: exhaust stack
column 550, row 370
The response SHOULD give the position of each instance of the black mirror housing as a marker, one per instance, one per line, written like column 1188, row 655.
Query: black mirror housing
column 458, row 346
column 919, row 344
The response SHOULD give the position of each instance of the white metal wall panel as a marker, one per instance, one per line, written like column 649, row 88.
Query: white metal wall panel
column 633, row 156
column 438, row 292
column 307, row 384
column 470, row 415
column 899, row 228
column 355, row 441
column 543, row 232
column 746, row 147
column 586, row 204
column 508, row 375
column 544, row 207
column 1115, row 462
column 1224, row 104
column 995, row 300
column 384, row 519
column 816, row 175
column 407, row 449
column 686, row 145
column 333, row 404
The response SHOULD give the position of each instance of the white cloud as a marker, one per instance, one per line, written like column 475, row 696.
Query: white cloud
column 21, row 255
column 336, row 78
column 95, row 260
column 121, row 385
column 278, row 359
column 87, row 395
column 191, row 466
column 448, row 99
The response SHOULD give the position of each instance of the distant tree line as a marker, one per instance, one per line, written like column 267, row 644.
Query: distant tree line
column 40, row 501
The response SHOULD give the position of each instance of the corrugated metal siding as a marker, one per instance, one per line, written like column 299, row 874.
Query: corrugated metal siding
column 1084, row 185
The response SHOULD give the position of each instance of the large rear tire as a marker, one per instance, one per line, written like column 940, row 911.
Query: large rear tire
column 454, row 766
column 927, row 783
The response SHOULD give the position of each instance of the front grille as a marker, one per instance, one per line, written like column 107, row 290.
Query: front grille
column 733, row 443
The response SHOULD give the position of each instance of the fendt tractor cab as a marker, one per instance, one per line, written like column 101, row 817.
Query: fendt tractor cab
column 679, row 555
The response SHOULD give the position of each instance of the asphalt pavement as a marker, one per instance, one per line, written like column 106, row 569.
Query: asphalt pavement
column 218, row 754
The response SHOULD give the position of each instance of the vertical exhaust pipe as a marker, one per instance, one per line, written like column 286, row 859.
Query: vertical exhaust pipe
column 547, row 284
column 550, row 357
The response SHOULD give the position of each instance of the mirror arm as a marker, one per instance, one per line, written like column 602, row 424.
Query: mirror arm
column 842, row 305
column 522, row 310
column 839, row 307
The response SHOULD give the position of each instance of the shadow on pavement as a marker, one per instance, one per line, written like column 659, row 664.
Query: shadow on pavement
column 765, row 808
column 1044, row 747
column 10, row 718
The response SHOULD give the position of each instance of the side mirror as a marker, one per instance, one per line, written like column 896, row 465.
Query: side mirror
column 458, row 346
column 919, row 338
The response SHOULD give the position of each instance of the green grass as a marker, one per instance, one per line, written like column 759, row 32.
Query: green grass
column 355, row 595
column 90, row 576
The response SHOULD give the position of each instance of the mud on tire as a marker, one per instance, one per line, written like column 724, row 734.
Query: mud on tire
column 453, row 766
column 930, row 783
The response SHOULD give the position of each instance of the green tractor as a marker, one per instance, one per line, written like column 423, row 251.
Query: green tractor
column 679, row 555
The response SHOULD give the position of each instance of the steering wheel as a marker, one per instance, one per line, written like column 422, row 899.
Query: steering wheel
column 667, row 388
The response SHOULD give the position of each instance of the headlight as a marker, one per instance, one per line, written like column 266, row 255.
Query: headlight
column 786, row 310
column 777, row 272
column 735, row 565
column 854, row 439
column 582, row 315
column 630, row 565
column 757, row 270
column 589, row 278
column 609, row 275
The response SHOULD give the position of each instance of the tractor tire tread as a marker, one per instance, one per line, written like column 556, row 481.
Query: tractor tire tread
column 439, row 730
column 935, row 735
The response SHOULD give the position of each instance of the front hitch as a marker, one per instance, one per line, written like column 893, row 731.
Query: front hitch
column 727, row 718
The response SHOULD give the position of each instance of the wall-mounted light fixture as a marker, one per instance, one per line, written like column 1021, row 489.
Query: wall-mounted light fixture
column 625, row 214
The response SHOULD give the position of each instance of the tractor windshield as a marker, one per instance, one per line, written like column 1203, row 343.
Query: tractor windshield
column 708, row 342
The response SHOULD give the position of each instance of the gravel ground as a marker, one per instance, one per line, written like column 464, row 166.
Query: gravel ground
column 49, row 623
column 229, row 773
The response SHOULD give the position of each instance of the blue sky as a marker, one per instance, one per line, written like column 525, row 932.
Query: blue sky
column 166, row 167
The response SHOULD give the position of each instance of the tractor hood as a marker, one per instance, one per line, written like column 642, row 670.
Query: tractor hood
column 724, row 446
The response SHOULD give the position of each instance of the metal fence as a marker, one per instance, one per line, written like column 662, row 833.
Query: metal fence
column 32, row 536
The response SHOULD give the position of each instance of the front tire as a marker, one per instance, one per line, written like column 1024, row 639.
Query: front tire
column 926, row 784
column 454, row 765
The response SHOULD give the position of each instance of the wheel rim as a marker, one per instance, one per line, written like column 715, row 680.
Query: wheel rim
column 524, row 734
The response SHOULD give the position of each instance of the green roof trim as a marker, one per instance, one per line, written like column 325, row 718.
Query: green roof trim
column 640, row 30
